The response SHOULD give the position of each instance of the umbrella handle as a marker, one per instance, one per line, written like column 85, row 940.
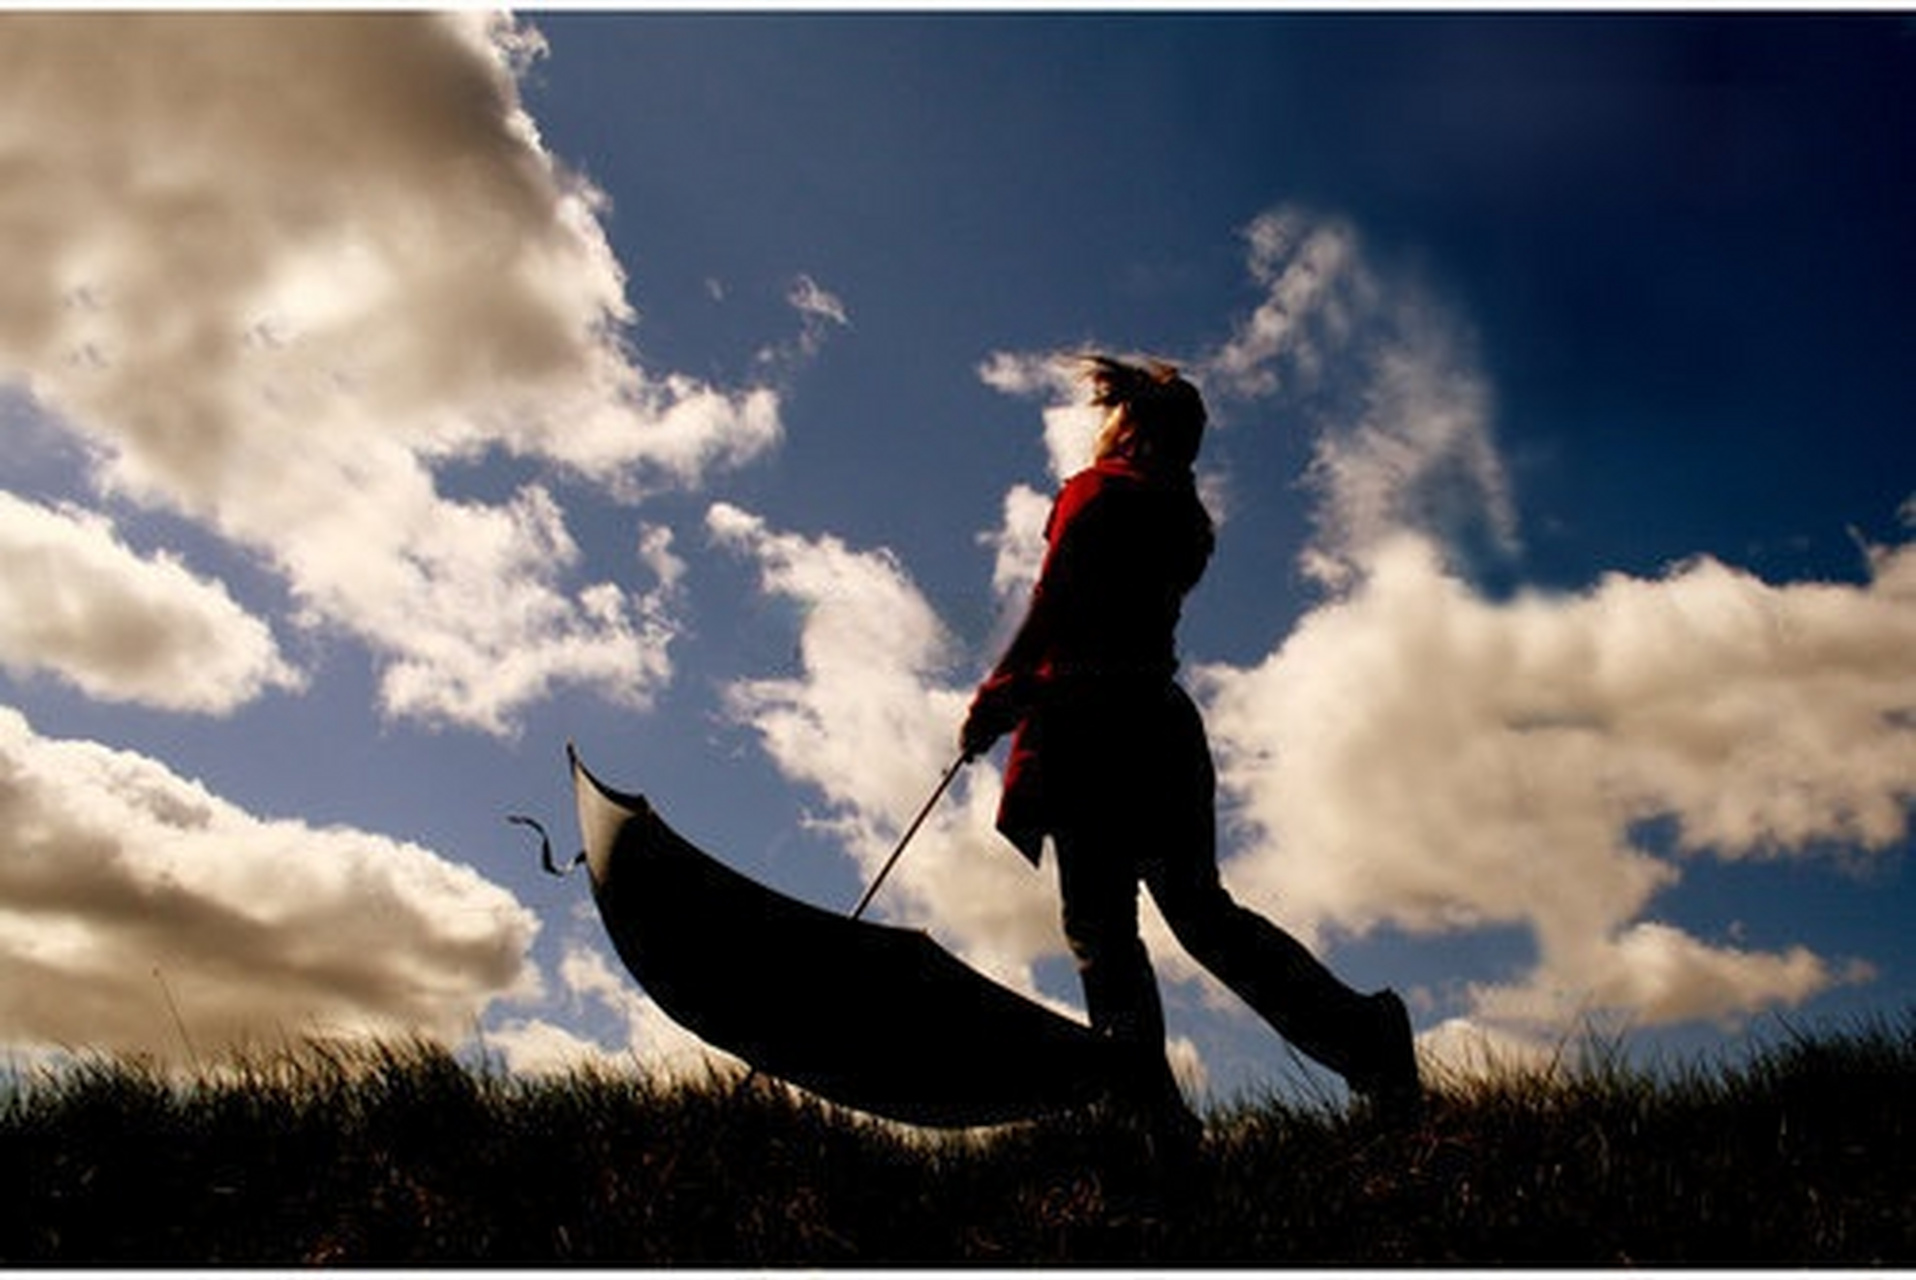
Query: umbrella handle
column 923, row 813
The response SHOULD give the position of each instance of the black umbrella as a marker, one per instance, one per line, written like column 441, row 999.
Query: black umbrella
column 871, row 1016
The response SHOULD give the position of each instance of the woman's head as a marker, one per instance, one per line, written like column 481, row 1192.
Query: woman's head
column 1156, row 417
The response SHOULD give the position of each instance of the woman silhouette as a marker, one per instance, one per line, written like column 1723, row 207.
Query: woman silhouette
column 1110, row 760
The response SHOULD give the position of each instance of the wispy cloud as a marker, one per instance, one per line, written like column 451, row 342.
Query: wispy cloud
column 811, row 300
column 820, row 312
column 642, row 1032
column 143, row 913
column 1316, row 288
column 75, row 601
column 281, row 269
column 1405, row 429
column 870, row 722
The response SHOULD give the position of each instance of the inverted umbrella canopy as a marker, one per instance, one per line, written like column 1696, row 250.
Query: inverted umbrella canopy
column 870, row 1016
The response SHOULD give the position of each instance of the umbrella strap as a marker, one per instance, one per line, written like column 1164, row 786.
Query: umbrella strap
column 545, row 845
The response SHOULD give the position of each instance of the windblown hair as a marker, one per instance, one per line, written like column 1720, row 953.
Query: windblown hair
column 1165, row 409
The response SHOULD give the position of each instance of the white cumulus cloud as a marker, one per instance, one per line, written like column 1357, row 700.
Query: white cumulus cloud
column 1417, row 754
column 281, row 270
column 141, row 913
column 77, row 602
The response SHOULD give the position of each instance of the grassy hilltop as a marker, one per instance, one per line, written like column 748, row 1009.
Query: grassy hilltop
column 403, row 1155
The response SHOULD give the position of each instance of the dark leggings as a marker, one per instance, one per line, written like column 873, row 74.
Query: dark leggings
column 1156, row 825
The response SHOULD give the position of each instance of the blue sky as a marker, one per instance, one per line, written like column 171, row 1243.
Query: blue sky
column 393, row 399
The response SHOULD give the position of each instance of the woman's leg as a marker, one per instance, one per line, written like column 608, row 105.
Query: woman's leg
column 1098, row 886
column 1266, row 967
column 1364, row 1038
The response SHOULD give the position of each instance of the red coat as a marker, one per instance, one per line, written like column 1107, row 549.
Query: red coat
column 1092, row 665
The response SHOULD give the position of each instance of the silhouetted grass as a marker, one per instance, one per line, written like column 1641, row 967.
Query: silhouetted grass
column 401, row 1155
